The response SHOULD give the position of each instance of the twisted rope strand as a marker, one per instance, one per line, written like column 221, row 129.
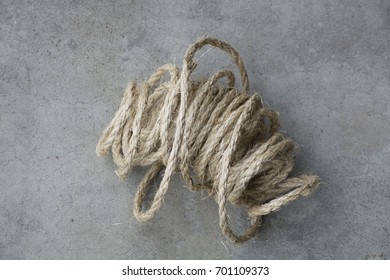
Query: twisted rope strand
column 225, row 136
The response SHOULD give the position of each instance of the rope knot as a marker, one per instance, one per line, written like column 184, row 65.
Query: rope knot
column 223, row 136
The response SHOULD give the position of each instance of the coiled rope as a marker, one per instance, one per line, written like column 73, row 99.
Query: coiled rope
column 223, row 136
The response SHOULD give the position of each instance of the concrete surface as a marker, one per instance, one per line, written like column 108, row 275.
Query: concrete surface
column 324, row 65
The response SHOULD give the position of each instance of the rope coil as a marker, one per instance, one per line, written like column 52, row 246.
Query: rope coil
column 223, row 135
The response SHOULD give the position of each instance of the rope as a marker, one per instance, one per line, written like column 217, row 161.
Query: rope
column 223, row 136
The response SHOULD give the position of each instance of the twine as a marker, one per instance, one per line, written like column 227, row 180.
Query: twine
column 221, row 139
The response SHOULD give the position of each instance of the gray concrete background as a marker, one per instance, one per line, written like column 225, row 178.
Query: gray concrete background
column 323, row 65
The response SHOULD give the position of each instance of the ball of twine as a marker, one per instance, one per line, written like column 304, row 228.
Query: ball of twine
column 221, row 139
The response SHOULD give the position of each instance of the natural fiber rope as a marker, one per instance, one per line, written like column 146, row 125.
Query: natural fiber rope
column 223, row 135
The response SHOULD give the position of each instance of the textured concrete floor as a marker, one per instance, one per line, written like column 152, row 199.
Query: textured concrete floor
column 324, row 65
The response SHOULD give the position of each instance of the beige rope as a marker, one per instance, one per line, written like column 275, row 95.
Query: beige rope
column 224, row 136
